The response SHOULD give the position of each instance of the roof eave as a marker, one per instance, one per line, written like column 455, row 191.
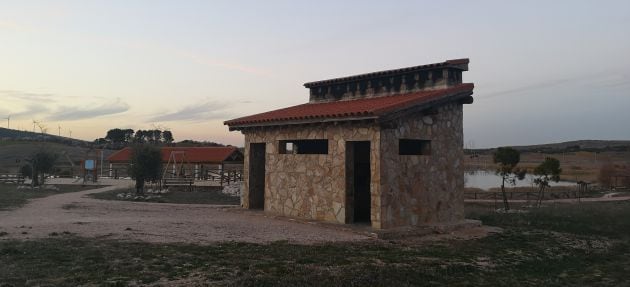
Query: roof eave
column 298, row 122
column 464, row 97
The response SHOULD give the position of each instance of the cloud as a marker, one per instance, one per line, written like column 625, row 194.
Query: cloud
column 27, row 96
column 69, row 113
column 197, row 112
column 30, row 111
column 194, row 57
column 610, row 78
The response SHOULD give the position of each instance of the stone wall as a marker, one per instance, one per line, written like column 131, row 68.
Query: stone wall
column 406, row 190
column 313, row 186
column 424, row 189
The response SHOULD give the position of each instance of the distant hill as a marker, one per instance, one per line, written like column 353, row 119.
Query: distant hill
column 570, row 146
column 15, row 146
column 13, row 153
column 17, row 135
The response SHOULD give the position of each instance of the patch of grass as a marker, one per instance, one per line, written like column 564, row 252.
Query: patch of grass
column 610, row 219
column 211, row 196
column 533, row 250
column 12, row 197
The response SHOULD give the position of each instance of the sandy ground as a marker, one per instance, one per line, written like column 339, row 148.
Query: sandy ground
column 606, row 197
column 157, row 222
column 84, row 216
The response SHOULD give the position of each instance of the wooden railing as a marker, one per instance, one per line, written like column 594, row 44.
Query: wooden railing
column 522, row 195
column 11, row 178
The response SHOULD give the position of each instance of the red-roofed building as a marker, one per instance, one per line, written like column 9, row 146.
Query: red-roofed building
column 384, row 148
column 199, row 161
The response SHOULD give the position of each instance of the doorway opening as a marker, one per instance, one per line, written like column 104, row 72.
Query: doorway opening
column 257, row 175
column 358, row 195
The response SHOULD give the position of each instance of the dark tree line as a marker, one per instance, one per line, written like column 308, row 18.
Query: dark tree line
column 119, row 138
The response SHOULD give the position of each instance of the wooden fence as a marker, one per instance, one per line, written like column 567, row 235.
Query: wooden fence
column 11, row 178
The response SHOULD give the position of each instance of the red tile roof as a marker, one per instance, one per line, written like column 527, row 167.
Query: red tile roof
column 193, row 154
column 359, row 108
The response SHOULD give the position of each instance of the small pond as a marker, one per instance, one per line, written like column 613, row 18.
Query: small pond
column 486, row 180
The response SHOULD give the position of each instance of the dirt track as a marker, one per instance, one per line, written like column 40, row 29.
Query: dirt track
column 156, row 222
column 563, row 200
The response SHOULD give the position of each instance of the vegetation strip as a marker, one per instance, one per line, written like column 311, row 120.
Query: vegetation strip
column 552, row 246
column 212, row 196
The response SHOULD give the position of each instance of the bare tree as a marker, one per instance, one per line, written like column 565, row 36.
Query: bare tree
column 507, row 158
column 606, row 173
column 548, row 170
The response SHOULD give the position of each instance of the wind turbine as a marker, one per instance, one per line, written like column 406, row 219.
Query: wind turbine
column 8, row 121
column 34, row 123
column 42, row 128
column 59, row 127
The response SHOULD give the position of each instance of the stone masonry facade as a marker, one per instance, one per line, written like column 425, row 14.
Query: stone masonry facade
column 423, row 189
column 312, row 186
column 412, row 118
column 406, row 190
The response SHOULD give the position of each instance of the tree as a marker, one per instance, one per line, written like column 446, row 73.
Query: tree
column 626, row 174
column 128, row 134
column 155, row 136
column 115, row 136
column 606, row 173
column 507, row 158
column 548, row 170
column 146, row 165
column 167, row 136
column 139, row 137
column 40, row 163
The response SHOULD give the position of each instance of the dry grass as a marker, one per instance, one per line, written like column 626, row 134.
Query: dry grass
column 559, row 245
column 575, row 166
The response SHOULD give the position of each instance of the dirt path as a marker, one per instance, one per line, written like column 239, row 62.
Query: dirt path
column 156, row 222
column 606, row 197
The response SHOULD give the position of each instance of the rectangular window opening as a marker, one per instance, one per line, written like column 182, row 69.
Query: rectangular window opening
column 303, row 146
column 414, row 147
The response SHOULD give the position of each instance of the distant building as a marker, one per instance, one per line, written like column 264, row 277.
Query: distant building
column 196, row 162
column 384, row 148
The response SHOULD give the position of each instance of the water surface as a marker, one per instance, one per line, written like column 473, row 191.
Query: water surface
column 486, row 180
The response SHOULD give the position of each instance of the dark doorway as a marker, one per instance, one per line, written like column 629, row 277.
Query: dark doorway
column 358, row 201
column 257, row 176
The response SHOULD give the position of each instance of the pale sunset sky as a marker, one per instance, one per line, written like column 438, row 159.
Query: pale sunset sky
column 544, row 71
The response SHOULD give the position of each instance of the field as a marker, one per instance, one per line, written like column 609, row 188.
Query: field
column 575, row 166
column 559, row 245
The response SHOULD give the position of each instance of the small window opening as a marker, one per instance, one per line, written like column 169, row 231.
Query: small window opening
column 414, row 147
column 303, row 146
column 437, row 75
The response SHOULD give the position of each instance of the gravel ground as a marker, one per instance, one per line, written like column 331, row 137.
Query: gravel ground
column 157, row 222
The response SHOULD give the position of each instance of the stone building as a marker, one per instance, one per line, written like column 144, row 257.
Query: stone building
column 384, row 148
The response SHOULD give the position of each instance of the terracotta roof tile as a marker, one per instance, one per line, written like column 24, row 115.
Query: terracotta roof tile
column 193, row 154
column 366, row 107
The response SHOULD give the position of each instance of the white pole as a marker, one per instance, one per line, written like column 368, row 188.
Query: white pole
column 101, row 162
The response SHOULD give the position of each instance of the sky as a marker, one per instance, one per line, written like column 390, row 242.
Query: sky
column 544, row 71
